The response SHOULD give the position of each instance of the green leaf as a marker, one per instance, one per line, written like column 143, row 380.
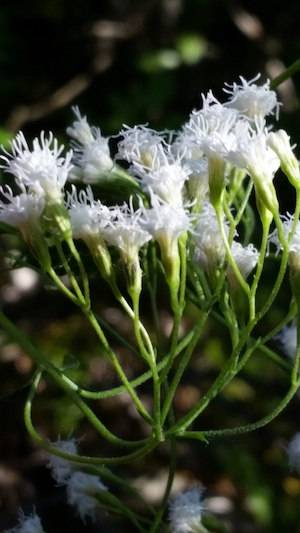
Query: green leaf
column 213, row 524
column 70, row 362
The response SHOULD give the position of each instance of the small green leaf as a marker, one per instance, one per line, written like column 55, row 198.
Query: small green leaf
column 70, row 362
column 213, row 524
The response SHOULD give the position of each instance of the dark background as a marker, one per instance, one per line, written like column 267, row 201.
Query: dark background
column 138, row 62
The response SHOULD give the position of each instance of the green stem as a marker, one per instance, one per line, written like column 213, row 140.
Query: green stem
column 84, row 278
column 141, row 409
column 69, row 272
column 248, row 427
column 182, row 365
column 62, row 381
column 292, row 69
column 259, row 269
column 172, row 469
column 226, row 375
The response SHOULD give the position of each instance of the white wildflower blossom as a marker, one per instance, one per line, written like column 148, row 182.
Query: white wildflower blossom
column 91, row 150
column 87, row 215
column 293, row 451
column 166, row 181
column 252, row 100
column 197, row 184
column 210, row 249
column 287, row 338
column 212, row 128
column 42, row 170
column 287, row 224
column 62, row 468
column 252, row 153
column 81, row 131
column 82, row 492
column 165, row 222
column 185, row 512
column 27, row 524
column 245, row 258
column 21, row 209
column 279, row 141
column 125, row 231
column 142, row 145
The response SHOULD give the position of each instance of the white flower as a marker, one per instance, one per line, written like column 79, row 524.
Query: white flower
column 210, row 249
column 125, row 232
column 82, row 492
column 245, row 259
column 185, row 512
column 87, row 215
column 62, row 468
column 252, row 154
column 197, row 184
column 279, row 141
column 21, row 209
column 42, row 170
column 293, row 451
column 81, row 131
column 252, row 100
column 91, row 150
column 27, row 524
column 287, row 224
column 166, row 181
column 212, row 128
column 288, row 340
column 165, row 222
column 140, row 145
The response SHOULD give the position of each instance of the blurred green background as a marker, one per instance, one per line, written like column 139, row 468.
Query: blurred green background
column 137, row 62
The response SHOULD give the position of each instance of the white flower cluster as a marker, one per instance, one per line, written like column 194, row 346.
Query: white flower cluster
column 82, row 488
column 182, row 177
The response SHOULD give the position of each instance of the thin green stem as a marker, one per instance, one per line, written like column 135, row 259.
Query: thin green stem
column 172, row 469
column 226, row 375
column 141, row 409
column 259, row 269
column 182, row 365
column 69, row 272
column 206, row 434
column 63, row 382
column 84, row 278
column 234, row 267
column 287, row 73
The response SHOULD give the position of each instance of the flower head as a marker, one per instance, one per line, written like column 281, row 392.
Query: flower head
column 288, row 340
column 20, row 209
column 141, row 145
column 185, row 511
column 245, row 259
column 210, row 250
column 252, row 153
column 287, row 224
column 252, row 100
column 82, row 491
column 28, row 524
column 91, row 150
column 279, row 141
column 62, row 468
column 125, row 231
column 88, row 216
column 42, row 170
column 165, row 222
